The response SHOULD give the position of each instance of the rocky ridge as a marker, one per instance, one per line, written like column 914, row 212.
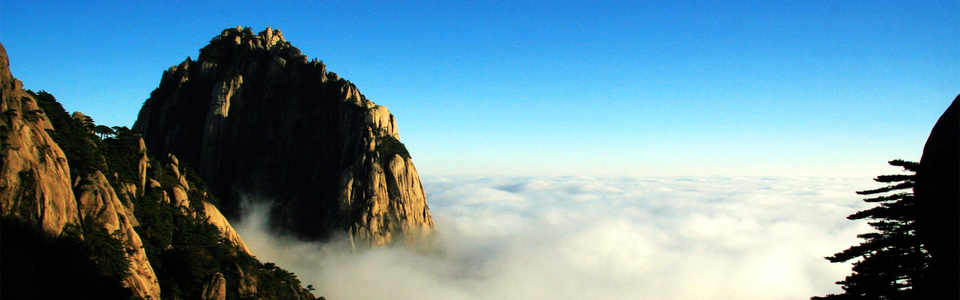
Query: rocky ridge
column 102, row 185
column 99, row 203
column 258, row 118
column 35, row 177
column 37, row 186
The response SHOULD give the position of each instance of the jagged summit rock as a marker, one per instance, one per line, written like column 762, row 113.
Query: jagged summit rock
column 258, row 119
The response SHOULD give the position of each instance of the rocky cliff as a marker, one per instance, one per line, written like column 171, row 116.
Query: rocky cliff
column 99, row 203
column 78, row 212
column 35, row 178
column 256, row 117
column 36, row 184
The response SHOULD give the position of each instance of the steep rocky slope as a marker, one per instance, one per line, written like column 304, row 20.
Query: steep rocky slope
column 258, row 118
column 98, row 202
column 36, row 183
column 35, row 178
column 77, row 211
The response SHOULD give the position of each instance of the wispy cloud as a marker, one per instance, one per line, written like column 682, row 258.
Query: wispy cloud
column 597, row 238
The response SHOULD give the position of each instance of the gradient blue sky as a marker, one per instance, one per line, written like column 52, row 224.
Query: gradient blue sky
column 556, row 88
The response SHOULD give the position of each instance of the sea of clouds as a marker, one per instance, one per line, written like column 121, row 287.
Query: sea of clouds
column 596, row 238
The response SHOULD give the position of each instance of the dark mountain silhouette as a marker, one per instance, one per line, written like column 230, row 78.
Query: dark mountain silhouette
column 938, row 192
column 256, row 118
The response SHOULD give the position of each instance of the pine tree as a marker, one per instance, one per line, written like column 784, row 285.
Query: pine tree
column 890, row 260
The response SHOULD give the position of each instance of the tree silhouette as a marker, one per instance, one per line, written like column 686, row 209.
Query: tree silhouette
column 103, row 131
column 914, row 253
column 890, row 260
column 88, row 123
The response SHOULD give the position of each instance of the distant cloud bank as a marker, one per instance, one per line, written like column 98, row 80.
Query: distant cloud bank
column 597, row 238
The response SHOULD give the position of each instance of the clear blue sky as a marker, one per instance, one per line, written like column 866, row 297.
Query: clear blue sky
column 556, row 88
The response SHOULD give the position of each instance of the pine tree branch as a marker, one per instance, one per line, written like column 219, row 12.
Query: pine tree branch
column 901, row 186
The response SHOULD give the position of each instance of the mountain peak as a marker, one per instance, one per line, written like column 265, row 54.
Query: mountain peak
column 268, row 39
column 260, row 121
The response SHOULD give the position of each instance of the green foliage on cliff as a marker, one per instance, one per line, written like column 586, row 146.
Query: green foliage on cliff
column 122, row 155
column 195, row 253
column 106, row 250
column 224, row 52
column 115, row 156
column 156, row 221
column 71, row 135
column 279, row 281
column 90, row 245
column 186, row 251
column 183, row 249
column 177, row 243
column 389, row 146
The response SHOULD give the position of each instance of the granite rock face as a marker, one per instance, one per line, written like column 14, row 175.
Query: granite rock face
column 226, row 230
column 99, row 202
column 181, row 199
column 37, row 186
column 34, row 174
column 259, row 119
column 216, row 289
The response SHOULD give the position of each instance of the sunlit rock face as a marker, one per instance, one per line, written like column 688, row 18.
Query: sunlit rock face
column 259, row 119
column 33, row 172
column 99, row 203
column 38, row 189
column 216, row 289
column 37, row 186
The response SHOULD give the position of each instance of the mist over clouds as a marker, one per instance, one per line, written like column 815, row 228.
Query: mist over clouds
column 596, row 238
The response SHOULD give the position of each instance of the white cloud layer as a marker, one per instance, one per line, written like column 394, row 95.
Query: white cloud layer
column 597, row 238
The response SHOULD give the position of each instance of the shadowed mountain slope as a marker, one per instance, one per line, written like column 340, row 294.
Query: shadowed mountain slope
column 260, row 120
